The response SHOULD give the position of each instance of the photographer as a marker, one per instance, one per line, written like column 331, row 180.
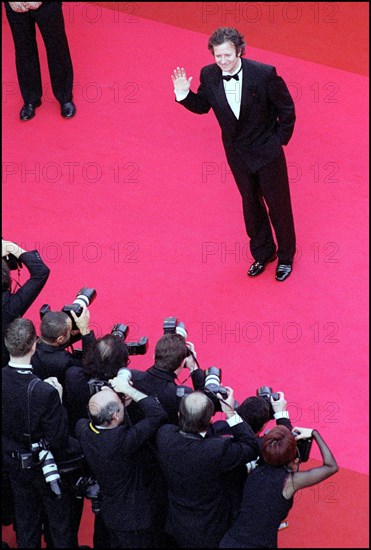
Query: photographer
column 173, row 356
column 111, row 448
column 194, row 466
column 101, row 362
column 269, row 489
column 32, row 413
column 15, row 304
column 257, row 411
column 51, row 357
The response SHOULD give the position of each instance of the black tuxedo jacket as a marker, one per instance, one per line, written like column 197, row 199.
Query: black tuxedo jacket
column 194, row 468
column 267, row 115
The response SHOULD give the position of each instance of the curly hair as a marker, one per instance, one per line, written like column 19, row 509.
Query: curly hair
column 227, row 34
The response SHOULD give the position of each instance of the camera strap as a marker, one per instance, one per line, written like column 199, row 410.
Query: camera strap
column 30, row 388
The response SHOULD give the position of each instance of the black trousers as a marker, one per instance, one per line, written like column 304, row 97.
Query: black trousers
column 33, row 500
column 266, row 204
column 49, row 19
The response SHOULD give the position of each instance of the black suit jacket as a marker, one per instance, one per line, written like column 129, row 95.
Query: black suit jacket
column 48, row 417
column 51, row 360
column 114, row 458
column 267, row 115
column 16, row 304
column 194, row 469
column 162, row 384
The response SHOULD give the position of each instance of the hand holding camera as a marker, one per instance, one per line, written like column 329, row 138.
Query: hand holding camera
column 303, row 437
column 302, row 433
column 10, row 252
column 82, row 322
column 227, row 403
column 278, row 405
column 122, row 384
column 191, row 361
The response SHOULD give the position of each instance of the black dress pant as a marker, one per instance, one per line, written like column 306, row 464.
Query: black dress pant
column 33, row 500
column 266, row 204
column 49, row 19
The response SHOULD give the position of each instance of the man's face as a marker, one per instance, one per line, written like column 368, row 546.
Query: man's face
column 226, row 57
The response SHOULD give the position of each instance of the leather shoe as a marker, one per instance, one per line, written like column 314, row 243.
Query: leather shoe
column 68, row 110
column 258, row 267
column 28, row 110
column 283, row 271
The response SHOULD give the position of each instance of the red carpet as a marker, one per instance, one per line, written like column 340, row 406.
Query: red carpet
column 133, row 197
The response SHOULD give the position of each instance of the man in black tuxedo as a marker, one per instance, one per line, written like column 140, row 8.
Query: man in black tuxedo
column 256, row 115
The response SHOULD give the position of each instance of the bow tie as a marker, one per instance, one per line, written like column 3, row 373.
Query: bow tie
column 227, row 77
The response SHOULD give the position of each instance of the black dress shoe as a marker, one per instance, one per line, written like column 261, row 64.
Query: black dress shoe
column 283, row 271
column 258, row 267
column 28, row 110
column 68, row 110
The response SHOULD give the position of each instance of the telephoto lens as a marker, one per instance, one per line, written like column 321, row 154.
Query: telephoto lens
column 50, row 471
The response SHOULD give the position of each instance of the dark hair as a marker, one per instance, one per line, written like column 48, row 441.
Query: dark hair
column 53, row 324
column 20, row 337
column 227, row 34
column 105, row 357
column 5, row 276
column 195, row 412
column 255, row 411
column 279, row 446
column 103, row 415
column 170, row 351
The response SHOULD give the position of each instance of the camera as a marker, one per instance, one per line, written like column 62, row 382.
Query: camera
column 267, row 393
column 88, row 487
column 95, row 385
column 47, row 463
column 173, row 326
column 304, row 446
column 134, row 348
column 84, row 297
column 213, row 376
column 120, row 330
column 12, row 262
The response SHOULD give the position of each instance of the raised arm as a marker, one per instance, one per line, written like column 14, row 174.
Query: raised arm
column 299, row 480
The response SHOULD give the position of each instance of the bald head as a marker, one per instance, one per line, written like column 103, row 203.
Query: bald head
column 195, row 412
column 105, row 408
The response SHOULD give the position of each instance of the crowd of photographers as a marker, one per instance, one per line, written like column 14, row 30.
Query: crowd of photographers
column 142, row 446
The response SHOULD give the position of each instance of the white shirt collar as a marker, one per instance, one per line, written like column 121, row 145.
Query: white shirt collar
column 24, row 369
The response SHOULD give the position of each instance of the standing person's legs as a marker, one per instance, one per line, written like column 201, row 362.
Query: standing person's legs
column 23, row 30
column 257, row 224
column 49, row 18
column 274, row 183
